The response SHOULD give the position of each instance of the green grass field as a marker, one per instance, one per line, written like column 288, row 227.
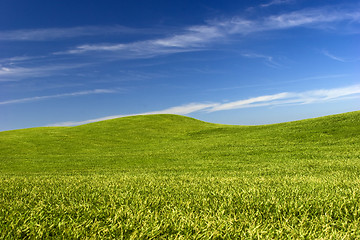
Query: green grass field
column 174, row 177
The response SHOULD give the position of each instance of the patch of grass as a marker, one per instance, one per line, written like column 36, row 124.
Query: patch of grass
column 168, row 176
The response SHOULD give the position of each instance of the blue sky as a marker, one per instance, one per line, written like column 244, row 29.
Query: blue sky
column 65, row 63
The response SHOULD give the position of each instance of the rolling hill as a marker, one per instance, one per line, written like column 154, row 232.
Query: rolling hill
column 157, row 141
column 174, row 177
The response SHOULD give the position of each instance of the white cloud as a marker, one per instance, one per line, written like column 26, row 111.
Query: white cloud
column 269, row 60
column 13, row 60
column 185, row 109
column 278, row 99
column 192, row 39
column 47, row 34
column 339, row 59
column 277, row 2
column 195, row 36
column 180, row 110
column 328, row 94
column 73, row 94
column 246, row 103
column 308, row 17
column 199, row 37
column 301, row 18
column 326, row 53
column 192, row 35
column 15, row 73
column 75, row 123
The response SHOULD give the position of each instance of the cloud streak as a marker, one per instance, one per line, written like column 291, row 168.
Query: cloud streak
column 15, row 73
column 51, row 34
column 192, row 39
column 337, row 58
column 251, row 102
column 73, row 94
column 199, row 37
column 269, row 60
column 326, row 53
column 276, row 2
column 278, row 99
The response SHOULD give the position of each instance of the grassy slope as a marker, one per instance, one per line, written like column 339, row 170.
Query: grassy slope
column 158, row 141
column 176, row 177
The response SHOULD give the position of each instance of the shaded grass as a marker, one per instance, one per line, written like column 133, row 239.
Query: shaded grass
column 166, row 176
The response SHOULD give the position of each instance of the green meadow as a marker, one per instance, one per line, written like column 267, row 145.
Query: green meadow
column 174, row 177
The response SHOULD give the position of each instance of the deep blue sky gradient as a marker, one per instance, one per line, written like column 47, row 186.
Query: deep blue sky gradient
column 232, row 62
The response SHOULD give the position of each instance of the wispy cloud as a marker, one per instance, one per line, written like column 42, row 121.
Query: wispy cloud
column 310, row 18
column 251, row 102
column 185, row 109
column 15, row 73
column 47, row 34
column 278, row 99
column 322, row 95
column 195, row 38
column 284, row 98
column 180, row 110
column 277, row 2
column 17, row 59
column 269, row 60
column 326, row 53
column 337, row 58
column 73, row 94
column 312, row 78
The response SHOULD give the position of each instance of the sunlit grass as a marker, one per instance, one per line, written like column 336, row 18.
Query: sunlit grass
column 166, row 176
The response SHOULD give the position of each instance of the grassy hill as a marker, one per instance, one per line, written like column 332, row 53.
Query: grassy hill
column 168, row 176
